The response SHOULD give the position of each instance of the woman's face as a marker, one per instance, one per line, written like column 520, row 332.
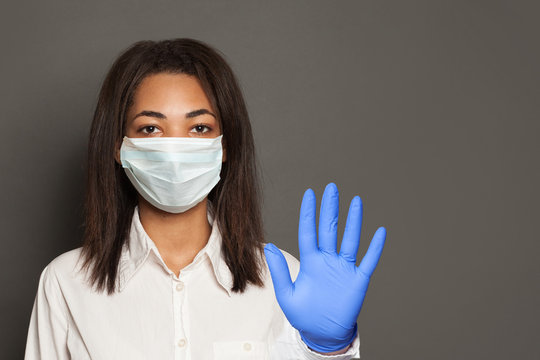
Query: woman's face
column 171, row 105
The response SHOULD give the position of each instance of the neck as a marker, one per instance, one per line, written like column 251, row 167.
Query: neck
column 178, row 237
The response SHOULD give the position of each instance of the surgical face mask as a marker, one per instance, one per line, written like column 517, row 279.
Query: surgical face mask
column 172, row 173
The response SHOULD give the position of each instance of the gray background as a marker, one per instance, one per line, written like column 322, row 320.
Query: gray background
column 426, row 109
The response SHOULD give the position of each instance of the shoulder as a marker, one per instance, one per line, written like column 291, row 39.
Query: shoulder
column 65, row 262
column 61, row 269
column 55, row 278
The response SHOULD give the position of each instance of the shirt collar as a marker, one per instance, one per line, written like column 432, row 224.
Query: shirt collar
column 139, row 245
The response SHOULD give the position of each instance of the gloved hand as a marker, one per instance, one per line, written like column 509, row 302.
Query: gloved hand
column 325, row 300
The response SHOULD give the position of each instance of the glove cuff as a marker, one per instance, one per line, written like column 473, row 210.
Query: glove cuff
column 330, row 346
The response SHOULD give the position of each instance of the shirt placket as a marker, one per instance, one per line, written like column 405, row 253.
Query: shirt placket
column 181, row 337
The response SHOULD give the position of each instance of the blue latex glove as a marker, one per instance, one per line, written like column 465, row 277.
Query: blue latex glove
column 325, row 300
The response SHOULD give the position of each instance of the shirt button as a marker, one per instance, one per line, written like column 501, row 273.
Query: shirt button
column 180, row 286
column 247, row 346
column 182, row 342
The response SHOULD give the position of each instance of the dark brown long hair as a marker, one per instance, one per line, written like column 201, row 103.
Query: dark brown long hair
column 111, row 199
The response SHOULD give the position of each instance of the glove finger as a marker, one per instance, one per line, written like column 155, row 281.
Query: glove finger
column 307, row 228
column 351, row 236
column 328, row 219
column 279, row 271
column 370, row 260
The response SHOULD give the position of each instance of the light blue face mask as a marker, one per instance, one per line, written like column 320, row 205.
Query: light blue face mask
column 172, row 173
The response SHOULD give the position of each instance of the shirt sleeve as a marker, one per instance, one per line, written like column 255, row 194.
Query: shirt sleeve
column 47, row 332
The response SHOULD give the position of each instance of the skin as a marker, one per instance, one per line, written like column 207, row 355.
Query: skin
column 166, row 105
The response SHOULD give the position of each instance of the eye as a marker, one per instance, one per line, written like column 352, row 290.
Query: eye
column 200, row 129
column 150, row 129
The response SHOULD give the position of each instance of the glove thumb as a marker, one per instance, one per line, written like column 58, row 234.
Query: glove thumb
column 279, row 271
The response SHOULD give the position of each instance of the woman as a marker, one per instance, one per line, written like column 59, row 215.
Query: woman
column 172, row 263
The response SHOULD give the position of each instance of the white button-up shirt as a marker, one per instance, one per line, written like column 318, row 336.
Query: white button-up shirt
column 157, row 315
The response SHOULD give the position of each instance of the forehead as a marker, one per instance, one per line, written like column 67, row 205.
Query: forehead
column 164, row 90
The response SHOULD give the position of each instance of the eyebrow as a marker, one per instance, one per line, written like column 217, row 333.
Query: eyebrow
column 159, row 115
